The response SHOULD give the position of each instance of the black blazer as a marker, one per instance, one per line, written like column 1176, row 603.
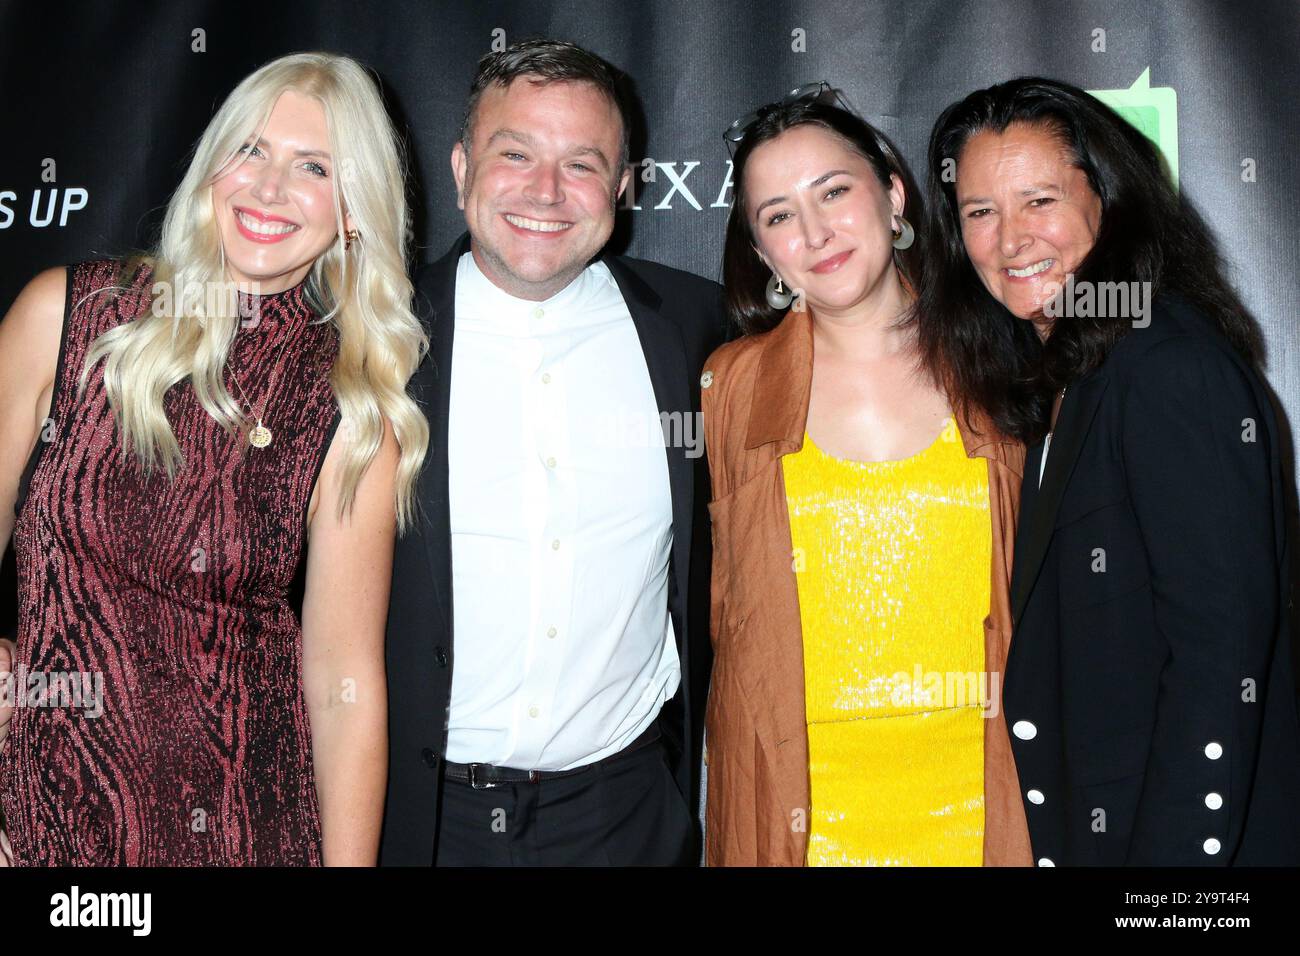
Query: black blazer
column 1151, row 664
column 679, row 320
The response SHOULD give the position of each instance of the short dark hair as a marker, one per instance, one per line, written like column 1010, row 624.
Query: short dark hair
column 1147, row 233
column 744, row 275
column 549, row 61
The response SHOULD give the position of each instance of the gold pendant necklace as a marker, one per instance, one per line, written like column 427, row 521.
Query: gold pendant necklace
column 259, row 436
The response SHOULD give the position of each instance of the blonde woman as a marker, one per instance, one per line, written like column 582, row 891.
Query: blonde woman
column 197, row 423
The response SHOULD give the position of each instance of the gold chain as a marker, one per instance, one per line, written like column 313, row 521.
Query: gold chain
column 259, row 436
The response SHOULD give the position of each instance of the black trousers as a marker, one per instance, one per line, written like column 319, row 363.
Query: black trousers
column 624, row 810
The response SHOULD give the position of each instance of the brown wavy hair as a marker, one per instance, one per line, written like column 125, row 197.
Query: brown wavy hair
column 743, row 273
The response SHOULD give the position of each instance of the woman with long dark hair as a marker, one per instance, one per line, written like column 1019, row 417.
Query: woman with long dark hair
column 1081, row 301
column 862, row 530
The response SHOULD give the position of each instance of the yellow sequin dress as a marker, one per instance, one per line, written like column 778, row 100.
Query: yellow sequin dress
column 893, row 566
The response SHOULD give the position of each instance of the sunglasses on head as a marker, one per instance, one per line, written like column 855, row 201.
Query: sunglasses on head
column 820, row 92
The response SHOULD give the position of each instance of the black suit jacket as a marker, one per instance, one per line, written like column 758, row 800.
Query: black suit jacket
column 1149, row 595
column 679, row 320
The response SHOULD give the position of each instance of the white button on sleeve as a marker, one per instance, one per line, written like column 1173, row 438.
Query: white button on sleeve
column 1024, row 730
column 1214, row 750
column 1213, row 800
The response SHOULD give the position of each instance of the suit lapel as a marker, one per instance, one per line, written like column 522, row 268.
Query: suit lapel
column 1041, row 504
column 436, row 307
column 665, row 358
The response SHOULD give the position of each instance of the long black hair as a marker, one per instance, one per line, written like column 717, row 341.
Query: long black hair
column 743, row 273
column 1148, row 233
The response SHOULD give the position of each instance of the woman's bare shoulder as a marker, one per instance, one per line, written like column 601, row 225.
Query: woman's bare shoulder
column 32, row 328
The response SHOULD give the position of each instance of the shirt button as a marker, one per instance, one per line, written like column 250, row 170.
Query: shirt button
column 546, row 378
column 551, row 632
column 1035, row 796
column 555, row 545
column 1024, row 730
column 1210, row 846
column 1213, row 801
column 550, row 463
column 532, row 711
column 1046, row 862
column 1214, row 750
column 538, row 312
column 706, row 379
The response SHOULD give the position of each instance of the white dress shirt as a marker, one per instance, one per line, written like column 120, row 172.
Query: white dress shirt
column 564, row 647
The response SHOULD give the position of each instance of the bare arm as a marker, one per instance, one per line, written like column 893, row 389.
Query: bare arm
column 29, row 356
column 345, row 606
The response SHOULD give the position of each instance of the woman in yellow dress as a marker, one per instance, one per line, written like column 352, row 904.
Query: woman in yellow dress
column 863, row 516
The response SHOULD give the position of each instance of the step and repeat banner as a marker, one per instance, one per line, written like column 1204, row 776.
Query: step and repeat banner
column 100, row 103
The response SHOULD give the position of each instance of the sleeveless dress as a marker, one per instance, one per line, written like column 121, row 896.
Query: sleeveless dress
column 161, row 719
column 892, row 563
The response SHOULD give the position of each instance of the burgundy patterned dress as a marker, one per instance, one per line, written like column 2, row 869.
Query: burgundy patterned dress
column 189, row 742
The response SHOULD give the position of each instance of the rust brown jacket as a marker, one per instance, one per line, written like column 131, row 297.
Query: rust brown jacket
column 755, row 394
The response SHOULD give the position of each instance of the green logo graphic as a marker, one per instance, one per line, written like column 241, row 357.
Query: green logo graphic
column 1152, row 110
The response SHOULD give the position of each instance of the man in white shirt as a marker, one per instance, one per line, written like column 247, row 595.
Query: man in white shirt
column 563, row 562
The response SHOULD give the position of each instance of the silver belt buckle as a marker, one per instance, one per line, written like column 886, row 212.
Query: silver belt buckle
column 474, row 780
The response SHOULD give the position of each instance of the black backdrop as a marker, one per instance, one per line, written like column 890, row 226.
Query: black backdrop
column 102, row 101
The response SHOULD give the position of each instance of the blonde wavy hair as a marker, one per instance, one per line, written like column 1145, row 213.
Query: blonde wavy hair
column 364, row 291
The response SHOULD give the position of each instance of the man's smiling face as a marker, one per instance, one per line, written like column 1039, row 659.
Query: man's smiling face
column 540, row 182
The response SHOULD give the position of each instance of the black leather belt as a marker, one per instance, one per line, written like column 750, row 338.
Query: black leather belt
column 485, row 776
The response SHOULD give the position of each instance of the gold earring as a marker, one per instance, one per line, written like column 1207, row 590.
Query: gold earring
column 349, row 237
